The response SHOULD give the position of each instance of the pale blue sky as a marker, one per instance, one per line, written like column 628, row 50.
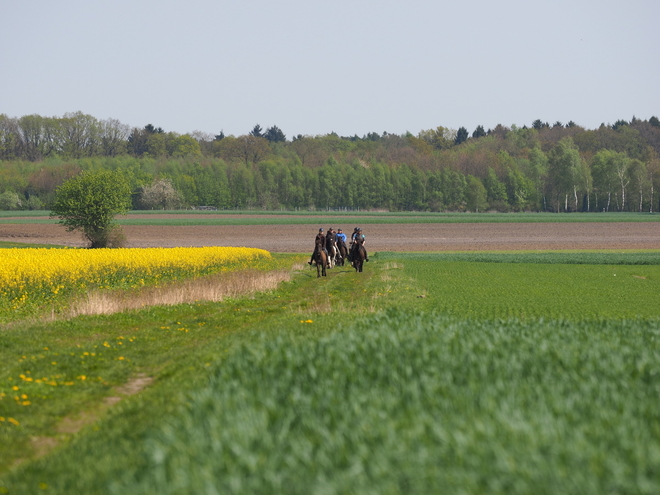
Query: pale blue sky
column 313, row 67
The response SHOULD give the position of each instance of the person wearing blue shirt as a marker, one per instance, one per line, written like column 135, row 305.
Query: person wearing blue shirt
column 340, row 236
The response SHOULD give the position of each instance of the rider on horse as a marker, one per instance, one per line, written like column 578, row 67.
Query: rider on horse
column 330, row 240
column 358, row 239
column 340, row 237
column 320, row 237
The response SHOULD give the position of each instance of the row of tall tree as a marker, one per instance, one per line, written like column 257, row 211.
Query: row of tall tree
column 538, row 168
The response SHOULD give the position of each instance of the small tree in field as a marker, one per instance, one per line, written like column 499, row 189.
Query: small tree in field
column 89, row 203
column 160, row 195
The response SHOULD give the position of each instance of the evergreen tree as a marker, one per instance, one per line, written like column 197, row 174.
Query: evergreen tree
column 479, row 132
column 257, row 131
column 461, row 135
column 274, row 135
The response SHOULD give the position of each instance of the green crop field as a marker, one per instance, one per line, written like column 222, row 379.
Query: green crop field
column 571, row 286
column 258, row 217
column 466, row 373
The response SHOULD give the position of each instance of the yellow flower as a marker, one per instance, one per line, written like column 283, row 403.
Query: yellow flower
column 48, row 274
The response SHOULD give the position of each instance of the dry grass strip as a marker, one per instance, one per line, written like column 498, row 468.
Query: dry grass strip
column 211, row 288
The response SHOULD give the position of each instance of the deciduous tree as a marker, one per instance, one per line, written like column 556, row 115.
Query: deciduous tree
column 476, row 196
column 160, row 195
column 89, row 202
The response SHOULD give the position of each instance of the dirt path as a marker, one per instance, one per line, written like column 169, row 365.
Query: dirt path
column 396, row 237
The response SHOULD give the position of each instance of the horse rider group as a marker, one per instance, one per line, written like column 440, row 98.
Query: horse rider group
column 335, row 239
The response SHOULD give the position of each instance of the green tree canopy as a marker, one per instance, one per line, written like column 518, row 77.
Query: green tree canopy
column 275, row 135
column 89, row 203
column 461, row 135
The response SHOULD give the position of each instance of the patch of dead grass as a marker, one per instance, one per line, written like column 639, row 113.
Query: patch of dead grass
column 211, row 288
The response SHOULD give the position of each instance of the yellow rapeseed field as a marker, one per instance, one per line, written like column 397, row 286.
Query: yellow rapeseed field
column 38, row 276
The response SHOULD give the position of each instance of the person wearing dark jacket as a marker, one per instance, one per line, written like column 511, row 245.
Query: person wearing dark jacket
column 320, row 237
column 359, row 239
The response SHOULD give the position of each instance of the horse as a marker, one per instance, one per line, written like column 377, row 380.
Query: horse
column 320, row 258
column 332, row 254
column 359, row 255
column 342, row 253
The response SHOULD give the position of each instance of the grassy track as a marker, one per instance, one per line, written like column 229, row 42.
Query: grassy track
column 322, row 387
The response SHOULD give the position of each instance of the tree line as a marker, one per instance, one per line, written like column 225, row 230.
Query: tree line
column 540, row 167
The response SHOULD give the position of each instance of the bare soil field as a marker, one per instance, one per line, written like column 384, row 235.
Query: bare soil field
column 380, row 237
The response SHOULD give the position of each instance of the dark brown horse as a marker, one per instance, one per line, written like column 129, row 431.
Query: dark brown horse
column 359, row 255
column 320, row 258
column 342, row 254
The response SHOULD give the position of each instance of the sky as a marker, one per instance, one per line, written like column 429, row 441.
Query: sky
column 350, row 67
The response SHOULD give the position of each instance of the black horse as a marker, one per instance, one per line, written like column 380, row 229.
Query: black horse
column 342, row 254
column 359, row 254
column 320, row 258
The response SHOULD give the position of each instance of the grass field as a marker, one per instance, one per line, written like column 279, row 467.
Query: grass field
column 334, row 217
column 573, row 286
column 427, row 373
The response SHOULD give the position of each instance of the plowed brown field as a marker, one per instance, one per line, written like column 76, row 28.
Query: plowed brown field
column 380, row 237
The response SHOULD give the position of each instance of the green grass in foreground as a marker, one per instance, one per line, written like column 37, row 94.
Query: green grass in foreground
column 409, row 403
column 318, row 388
